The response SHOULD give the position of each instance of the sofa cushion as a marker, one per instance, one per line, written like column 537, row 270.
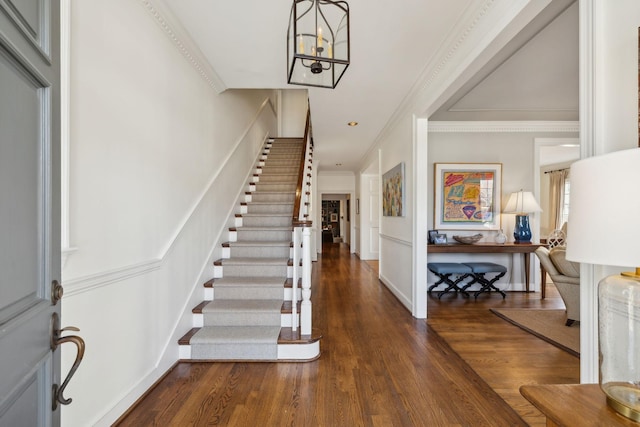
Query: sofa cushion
column 564, row 266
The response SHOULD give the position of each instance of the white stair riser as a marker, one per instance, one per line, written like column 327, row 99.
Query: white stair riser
column 276, row 170
column 273, row 197
column 288, row 292
column 255, row 235
column 285, row 351
column 259, row 208
column 260, row 251
column 279, row 220
column 299, row 351
column 248, row 292
column 232, row 352
column 275, row 186
column 239, row 318
column 279, row 178
column 254, row 270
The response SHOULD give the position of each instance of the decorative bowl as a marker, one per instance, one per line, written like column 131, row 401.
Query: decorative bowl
column 468, row 240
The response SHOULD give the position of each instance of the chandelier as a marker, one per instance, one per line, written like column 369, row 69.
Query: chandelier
column 317, row 42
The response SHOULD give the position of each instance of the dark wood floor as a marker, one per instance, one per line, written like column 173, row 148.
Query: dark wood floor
column 379, row 366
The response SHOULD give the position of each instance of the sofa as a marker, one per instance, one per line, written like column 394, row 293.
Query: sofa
column 565, row 275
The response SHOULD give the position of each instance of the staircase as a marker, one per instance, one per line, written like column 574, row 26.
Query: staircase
column 247, row 312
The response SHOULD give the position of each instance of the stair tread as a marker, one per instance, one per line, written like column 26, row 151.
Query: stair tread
column 287, row 336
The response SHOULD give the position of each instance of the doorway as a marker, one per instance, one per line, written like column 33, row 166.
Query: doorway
column 336, row 218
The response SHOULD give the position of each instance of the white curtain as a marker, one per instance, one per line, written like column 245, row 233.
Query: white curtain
column 556, row 195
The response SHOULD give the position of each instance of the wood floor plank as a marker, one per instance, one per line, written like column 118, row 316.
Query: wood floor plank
column 378, row 366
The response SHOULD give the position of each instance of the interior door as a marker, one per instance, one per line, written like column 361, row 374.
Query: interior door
column 29, row 210
column 370, row 217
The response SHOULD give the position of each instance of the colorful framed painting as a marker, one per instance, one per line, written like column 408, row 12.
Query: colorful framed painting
column 393, row 191
column 467, row 196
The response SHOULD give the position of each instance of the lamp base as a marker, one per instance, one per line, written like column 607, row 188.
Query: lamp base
column 624, row 399
column 618, row 336
column 522, row 232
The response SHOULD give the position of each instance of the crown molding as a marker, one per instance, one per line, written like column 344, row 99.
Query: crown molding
column 505, row 126
column 180, row 38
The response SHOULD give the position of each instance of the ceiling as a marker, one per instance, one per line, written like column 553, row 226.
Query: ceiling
column 532, row 78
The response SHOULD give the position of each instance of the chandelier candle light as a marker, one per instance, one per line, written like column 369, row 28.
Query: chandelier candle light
column 318, row 43
column 603, row 229
column 522, row 203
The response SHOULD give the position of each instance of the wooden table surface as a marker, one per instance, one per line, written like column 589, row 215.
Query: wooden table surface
column 570, row 405
column 484, row 248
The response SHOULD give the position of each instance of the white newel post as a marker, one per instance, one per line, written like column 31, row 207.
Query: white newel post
column 305, row 309
column 296, row 277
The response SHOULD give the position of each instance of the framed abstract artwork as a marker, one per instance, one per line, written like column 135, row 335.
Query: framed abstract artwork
column 467, row 196
column 393, row 191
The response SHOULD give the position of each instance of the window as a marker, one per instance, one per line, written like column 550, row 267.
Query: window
column 565, row 201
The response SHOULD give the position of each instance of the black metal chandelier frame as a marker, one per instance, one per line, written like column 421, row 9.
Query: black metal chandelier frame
column 319, row 60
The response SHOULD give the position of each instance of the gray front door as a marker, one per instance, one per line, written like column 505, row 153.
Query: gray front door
column 29, row 209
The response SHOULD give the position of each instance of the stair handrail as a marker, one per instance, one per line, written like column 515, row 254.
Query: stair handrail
column 299, row 214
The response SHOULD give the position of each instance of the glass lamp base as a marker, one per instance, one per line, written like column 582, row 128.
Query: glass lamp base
column 619, row 335
column 624, row 398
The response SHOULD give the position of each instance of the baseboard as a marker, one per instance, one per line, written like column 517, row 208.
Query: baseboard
column 396, row 292
column 135, row 395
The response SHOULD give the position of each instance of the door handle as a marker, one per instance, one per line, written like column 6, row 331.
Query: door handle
column 57, row 340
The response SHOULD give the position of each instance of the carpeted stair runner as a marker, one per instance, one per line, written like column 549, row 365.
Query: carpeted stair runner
column 243, row 320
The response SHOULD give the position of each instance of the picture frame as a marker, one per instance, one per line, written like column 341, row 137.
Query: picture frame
column 467, row 196
column 334, row 217
column 432, row 236
column 440, row 239
column 393, row 191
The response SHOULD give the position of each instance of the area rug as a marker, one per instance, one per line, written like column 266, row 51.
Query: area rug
column 545, row 324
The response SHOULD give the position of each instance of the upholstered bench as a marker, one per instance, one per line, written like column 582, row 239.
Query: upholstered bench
column 479, row 269
column 444, row 271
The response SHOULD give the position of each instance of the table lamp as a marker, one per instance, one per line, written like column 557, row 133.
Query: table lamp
column 522, row 203
column 603, row 229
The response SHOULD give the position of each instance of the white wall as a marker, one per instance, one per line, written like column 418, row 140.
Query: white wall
column 157, row 160
column 293, row 112
column 618, row 83
column 396, row 233
column 609, row 116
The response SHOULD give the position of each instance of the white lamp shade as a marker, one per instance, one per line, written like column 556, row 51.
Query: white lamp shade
column 604, row 210
column 522, row 202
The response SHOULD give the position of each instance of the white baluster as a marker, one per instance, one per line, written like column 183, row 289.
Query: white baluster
column 305, row 309
column 296, row 276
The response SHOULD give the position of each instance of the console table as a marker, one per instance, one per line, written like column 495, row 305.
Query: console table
column 583, row 405
column 526, row 249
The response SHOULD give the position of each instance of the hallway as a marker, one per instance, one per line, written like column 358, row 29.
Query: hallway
column 379, row 366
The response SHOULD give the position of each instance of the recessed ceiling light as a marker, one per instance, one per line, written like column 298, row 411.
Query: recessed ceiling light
column 353, row 124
